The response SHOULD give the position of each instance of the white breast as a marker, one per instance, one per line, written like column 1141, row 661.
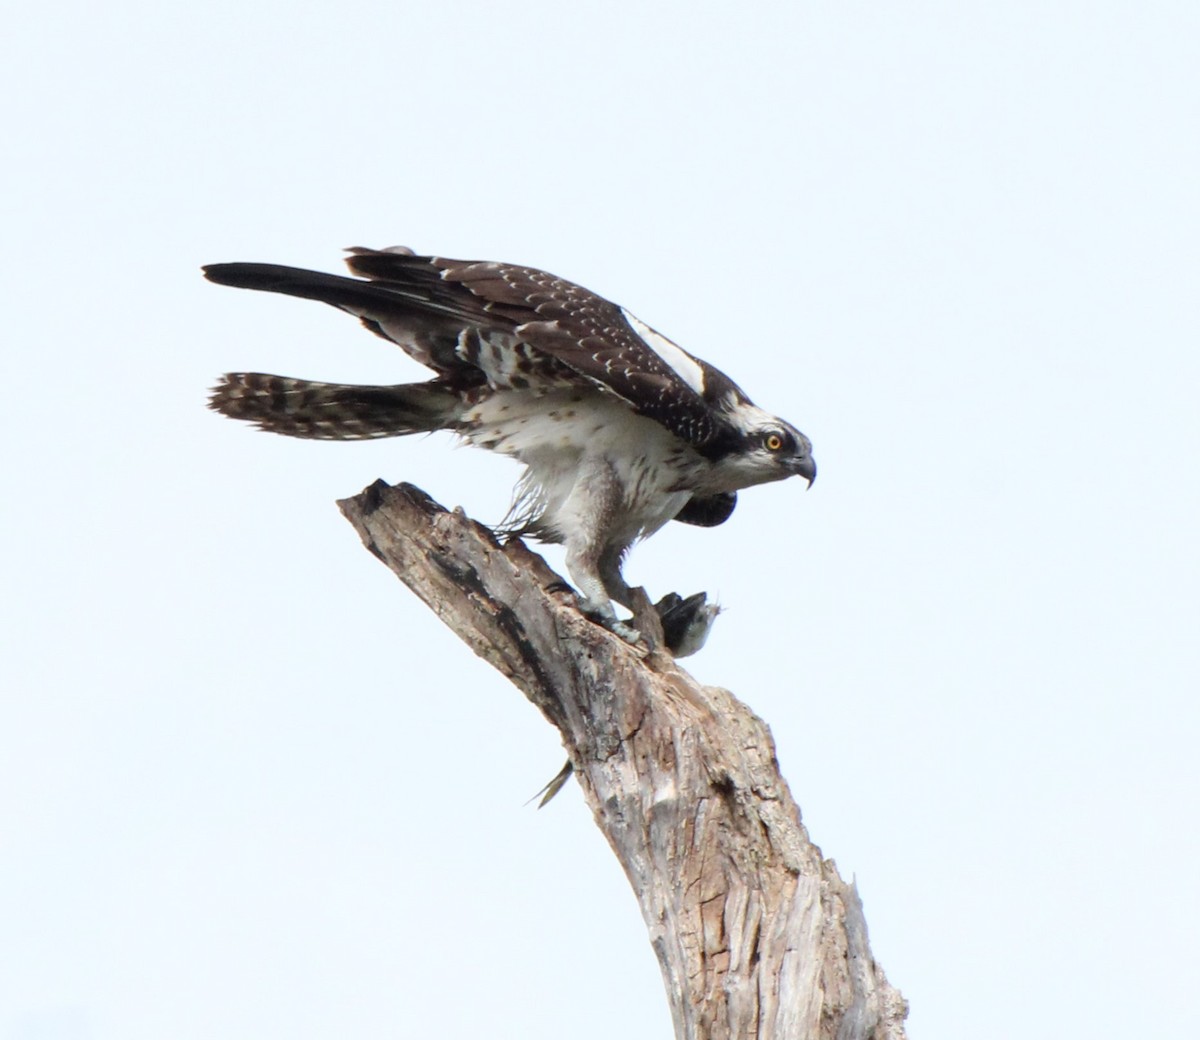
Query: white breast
column 553, row 434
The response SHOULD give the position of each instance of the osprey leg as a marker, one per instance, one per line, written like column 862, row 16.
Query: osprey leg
column 609, row 569
column 586, row 520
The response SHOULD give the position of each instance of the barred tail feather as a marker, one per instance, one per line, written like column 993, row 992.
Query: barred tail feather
column 334, row 411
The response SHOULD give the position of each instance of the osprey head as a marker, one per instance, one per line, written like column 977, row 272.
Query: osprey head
column 779, row 450
column 767, row 449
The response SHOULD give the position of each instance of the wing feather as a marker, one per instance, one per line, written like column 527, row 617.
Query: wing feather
column 593, row 337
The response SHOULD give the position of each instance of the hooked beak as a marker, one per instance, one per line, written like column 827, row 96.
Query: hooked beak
column 804, row 466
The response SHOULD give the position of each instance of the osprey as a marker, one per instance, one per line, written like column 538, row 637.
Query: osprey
column 620, row 430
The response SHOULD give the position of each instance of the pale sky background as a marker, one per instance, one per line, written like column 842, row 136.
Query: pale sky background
column 250, row 788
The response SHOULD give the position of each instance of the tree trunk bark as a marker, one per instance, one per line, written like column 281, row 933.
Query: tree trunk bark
column 756, row 933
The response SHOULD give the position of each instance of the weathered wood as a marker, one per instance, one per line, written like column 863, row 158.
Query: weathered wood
column 756, row 933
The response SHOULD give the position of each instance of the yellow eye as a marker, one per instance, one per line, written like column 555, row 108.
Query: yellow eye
column 773, row 442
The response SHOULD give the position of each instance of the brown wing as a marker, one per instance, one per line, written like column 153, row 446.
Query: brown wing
column 590, row 335
column 448, row 313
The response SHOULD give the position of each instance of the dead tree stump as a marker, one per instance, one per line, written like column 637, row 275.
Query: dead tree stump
column 756, row 933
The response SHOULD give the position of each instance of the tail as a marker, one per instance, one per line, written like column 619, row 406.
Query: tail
column 335, row 411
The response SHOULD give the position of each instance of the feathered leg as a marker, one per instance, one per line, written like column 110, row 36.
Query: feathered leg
column 609, row 569
column 586, row 519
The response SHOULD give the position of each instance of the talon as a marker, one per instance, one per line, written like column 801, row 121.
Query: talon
column 627, row 632
column 603, row 614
